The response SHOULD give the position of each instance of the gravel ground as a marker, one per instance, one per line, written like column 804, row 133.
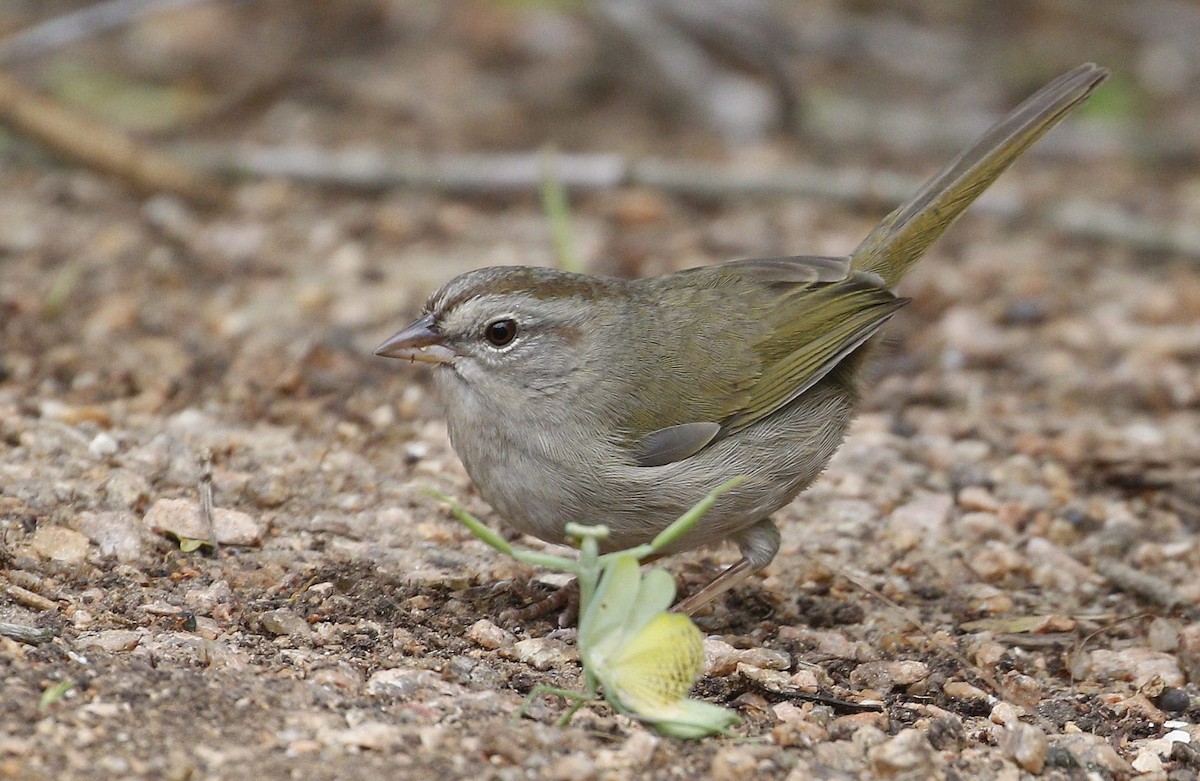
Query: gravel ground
column 995, row 578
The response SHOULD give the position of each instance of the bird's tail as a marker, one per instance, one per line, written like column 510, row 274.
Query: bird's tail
column 904, row 235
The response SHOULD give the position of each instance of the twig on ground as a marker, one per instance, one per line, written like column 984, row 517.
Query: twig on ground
column 100, row 146
column 24, row 596
column 32, row 635
column 1138, row 583
column 483, row 174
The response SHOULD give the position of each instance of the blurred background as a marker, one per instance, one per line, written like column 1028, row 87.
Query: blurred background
column 211, row 212
column 677, row 76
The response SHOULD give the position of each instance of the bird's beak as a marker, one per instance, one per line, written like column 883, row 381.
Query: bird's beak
column 419, row 342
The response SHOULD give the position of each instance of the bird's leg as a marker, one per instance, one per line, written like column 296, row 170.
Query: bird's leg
column 758, row 545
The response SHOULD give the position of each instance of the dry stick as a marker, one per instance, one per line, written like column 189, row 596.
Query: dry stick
column 206, row 499
column 24, row 596
column 1139, row 583
column 484, row 174
column 31, row 635
column 100, row 146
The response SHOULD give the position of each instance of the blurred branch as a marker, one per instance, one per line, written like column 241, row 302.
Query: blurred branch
column 481, row 174
column 100, row 146
column 84, row 23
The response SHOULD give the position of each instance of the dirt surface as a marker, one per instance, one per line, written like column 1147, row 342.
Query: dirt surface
column 996, row 577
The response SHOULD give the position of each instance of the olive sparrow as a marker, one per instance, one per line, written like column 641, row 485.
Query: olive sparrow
column 623, row 402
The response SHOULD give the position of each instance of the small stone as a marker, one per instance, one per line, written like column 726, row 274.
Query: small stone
column 846, row 726
column 1136, row 664
column 405, row 684
column 204, row 600
column 978, row 498
column 573, row 767
column 805, row 680
column 775, row 681
column 486, row 634
column 181, row 519
column 1006, row 713
column 541, row 653
column 795, row 727
column 1091, row 749
column 118, row 534
column 996, row 560
column 126, row 489
column 1189, row 651
column 908, row 753
column 960, row 690
column 919, row 519
column 1147, row 762
column 734, row 763
column 59, row 543
column 884, row 676
column 1026, row 744
column 720, row 658
column 370, row 735
column 765, row 658
column 1173, row 700
column 639, row 748
column 103, row 445
column 112, row 640
column 283, row 622
column 1163, row 635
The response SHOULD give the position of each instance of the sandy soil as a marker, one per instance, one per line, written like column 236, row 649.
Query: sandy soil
column 1004, row 553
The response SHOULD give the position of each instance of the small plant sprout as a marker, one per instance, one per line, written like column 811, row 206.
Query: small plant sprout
column 645, row 658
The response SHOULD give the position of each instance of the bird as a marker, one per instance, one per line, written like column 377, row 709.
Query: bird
column 623, row 402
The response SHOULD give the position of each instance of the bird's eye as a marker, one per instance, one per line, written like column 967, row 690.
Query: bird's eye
column 500, row 333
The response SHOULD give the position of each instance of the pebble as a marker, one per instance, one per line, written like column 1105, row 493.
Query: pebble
column 204, row 600
column 374, row 735
column 111, row 640
column 126, row 489
column 847, row 726
column 103, row 445
column 1091, row 749
column 487, row 635
column 995, row 561
column 722, row 659
column 1147, row 761
column 920, row 518
column 1136, row 664
column 775, row 681
column 734, row 763
column 115, row 533
column 1026, row 744
column 884, row 676
column 639, row 748
column 59, row 543
column 576, row 766
column 908, row 754
column 284, row 622
column 978, row 498
column 1174, row 700
column 405, row 683
column 1189, row 650
column 542, row 653
column 960, row 690
column 1006, row 713
column 181, row 518
column 805, row 680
